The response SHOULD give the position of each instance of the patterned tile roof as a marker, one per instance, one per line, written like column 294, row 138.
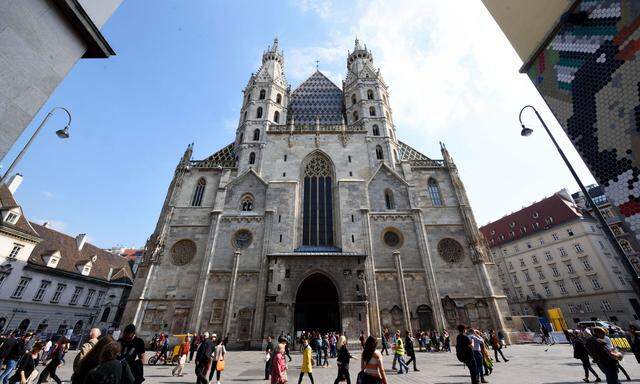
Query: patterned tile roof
column 226, row 157
column 317, row 97
column 408, row 153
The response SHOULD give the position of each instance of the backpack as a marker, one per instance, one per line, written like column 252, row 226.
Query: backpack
column 463, row 350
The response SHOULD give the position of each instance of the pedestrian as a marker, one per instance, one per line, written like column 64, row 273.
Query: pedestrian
column 203, row 359
column 325, row 351
column 195, row 341
column 362, row 340
column 219, row 355
column 385, row 344
column 57, row 357
column 46, row 349
column 111, row 370
column 477, row 352
column 497, row 347
column 26, row 371
column 372, row 371
column 94, row 334
column 269, row 352
column 12, row 349
column 610, row 345
column 546, row 336
column 447, row 341
column 164, row 349
column 410, row 351
column 634, row 341
column 502, row 339
column 332, row 344
column 214, row 361
column 90, row 360
column 605, row 358
column 306, row 362
column 287, row 352
column 132, row 351
column 343, row 361
column 317, row 347
column 398, row 354
column 279, row 365
column 184, row 350
column 464, row 353
column 580, row 352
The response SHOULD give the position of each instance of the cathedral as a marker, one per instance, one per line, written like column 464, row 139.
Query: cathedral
column 315, row 217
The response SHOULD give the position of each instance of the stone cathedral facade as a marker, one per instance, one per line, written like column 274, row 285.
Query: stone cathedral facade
column 315, row 217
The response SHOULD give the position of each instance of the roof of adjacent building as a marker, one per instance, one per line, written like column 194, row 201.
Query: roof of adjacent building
column 538, row 217
column 316, row 98
column 107, row 266
column 7, row 201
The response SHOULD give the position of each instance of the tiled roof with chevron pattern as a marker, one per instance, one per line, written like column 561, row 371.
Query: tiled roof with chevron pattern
column 317, row 97
column 407, row 153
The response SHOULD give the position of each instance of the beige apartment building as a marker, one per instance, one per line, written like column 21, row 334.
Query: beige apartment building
column 552, row 254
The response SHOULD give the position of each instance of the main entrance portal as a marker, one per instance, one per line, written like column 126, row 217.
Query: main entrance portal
column 317, row 306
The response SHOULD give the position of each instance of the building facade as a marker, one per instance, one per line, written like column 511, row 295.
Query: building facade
column 582, row 57
column 552, row 254
column 40, row 41
column 628, row 242
column 52, row 283
column 317, row 217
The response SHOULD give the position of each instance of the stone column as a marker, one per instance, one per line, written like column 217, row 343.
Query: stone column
column 258, row 321
column 203, row 280
column 430, row 277
column 228, row 313
column 403, row 292
column 370, row 277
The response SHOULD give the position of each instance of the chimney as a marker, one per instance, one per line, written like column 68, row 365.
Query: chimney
column 45, row 224
column 14, row 182
column 80, row 240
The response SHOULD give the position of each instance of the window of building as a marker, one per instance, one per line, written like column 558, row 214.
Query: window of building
column 388, row 199
column 601, row 244
column 379, row 153
column 44, row 285
column 56, row 295
column 534, row 259
column 570, row 268
column 587, row 307
column 526, row 275
column 434, row 192
column 569, row 231
column 606, row 306
column 616, row 230
column 621, row 278
column 76, row 296
column 578, row 248
column 87, row 300
column 520, row 292
column 578, row 284
column 563, row 288
column 572, row 308
column 259, row 113
column 595, row 282
column 563, row 252
column 14, row 251
column 593, row 229
column 555, row 236
column 105, row 315
column 547, row 290
column 244, row 118
column 22, row 285
column 355, row 116
column 514, row 278
column 547, row 255
column 246, row 203
column 554, row 270
column 585, row 263
column 317, row 200
column 12, row 218
column 276, row 117
column 510, row 265
column 541, row 240
column 522, row 264
column 263, row 94
column 372, row 111
column 369, row 94
column 532, row 289
column 376, row 130
column 353, row 99
column 99, row 299
column 3, row 278
column 279, row 98
column 540, row 273
column 626, row 247
column 252, row 158
column 198, row 193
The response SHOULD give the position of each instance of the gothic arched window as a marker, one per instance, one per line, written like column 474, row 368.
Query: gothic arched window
column 244, row 117
column 369, row 94
column 353, row 99
column 434, row 192
column 279, row 98
column 355, row 116
column 376, row 130
column 256, row 134
column 259, row 113
column 276, row 116
column 246, row 203
column 317, row 217
column 263, row 94
column 388, row 199
column 241, row 138
column 372, row 111
column 252, row 158
column 248, row 97
column 379, row 153
column 199, row 192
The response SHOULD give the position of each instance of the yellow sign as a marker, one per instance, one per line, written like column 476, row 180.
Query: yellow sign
column 556, row 319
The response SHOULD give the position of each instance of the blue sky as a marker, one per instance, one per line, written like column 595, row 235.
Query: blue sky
column 178, row 76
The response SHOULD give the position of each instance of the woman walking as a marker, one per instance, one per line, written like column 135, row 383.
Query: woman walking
column 90, row 360
column 306, row 362
column 580, row 353
column 26, row 371
column 219, row 356
column 57, row 356
column 185, row 347
column 497, row 347
column 279, row 364
column 371, row 366
column 343, row 361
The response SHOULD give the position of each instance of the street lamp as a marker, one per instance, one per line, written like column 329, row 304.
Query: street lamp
column 603, row 223
column 61, row 133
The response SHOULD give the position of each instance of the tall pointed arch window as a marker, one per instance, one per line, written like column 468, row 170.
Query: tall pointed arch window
column 246, row 203
column 279, row 98
column 379, row 153
column 355, row 116
column 263, row 94
column 372, row 111
column 376, row 130
column 241, row 139
column 353, row 99
column 252, row 158
column 317, row 219
column 370, row 94
column 434, row 192
column 198, row 193
column 388, row 199
column 259, row 113
column 276, row 116
column 244, row 116
column 256, row 135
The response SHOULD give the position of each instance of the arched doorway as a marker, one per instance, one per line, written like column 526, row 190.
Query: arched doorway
column 425, row 318
column 24, row 325
column 317, row 306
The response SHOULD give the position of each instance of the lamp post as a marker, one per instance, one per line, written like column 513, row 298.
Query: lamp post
column 61, row 133
column 603, row 223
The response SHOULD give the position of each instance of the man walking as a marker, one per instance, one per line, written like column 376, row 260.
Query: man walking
column 268, row 351
column 385, row 344
column 478, row 343
column 399, row 354
column 464, row 353
column 203, row 359
column 606, row 358
column 410, row 351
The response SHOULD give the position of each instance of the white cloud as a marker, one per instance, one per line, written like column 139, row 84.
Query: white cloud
column 47, row 194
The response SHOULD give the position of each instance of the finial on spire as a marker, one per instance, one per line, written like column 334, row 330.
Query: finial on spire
column 317, row 64
column 357, row 45
column 275, row 46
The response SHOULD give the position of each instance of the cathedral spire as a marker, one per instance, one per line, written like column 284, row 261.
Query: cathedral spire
column 273, row 53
